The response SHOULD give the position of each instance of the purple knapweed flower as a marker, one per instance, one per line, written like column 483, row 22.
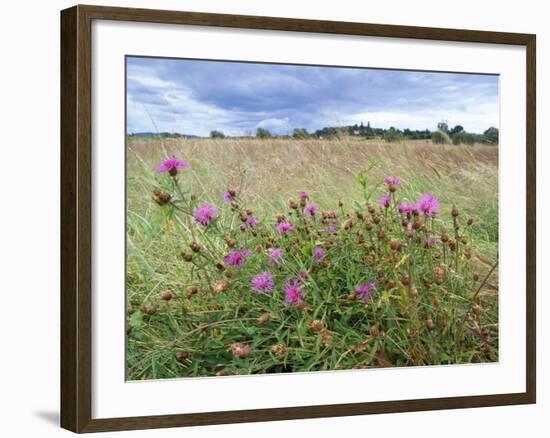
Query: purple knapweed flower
column 304, row 196
column 205, row 214
column 275, row 255
column 294, row 295
column 331, row 229
column 263, row 282
column 310, row 209
column 364, row 290
column 392, row 181
column 229, row 196
column 237, row 258
column 284, row 227
column 171, row 165
column 385, row 201
column 429, row 205
column 251, row 221
column 319, row 253
column 405, row 207
column 432, row 240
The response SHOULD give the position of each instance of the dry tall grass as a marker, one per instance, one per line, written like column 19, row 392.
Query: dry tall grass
column 268, row 172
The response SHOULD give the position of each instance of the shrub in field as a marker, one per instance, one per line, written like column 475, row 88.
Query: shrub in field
column 392, row 135
column 386, row 283
column 217, row 134
column 440, row 137
column 263, row 133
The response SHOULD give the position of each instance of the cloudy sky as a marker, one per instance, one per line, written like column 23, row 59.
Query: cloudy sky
column 196, row 97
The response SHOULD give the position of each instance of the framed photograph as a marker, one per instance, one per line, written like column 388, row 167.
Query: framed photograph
column 269, row 218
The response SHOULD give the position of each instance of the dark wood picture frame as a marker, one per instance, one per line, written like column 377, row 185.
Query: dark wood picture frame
column 76, row 218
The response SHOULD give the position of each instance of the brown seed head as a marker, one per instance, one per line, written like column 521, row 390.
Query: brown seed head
column 430, row 324
column 316, row 325
column 292, row 204
column 183, row 355
column 150, row 310
column 190, row 291
column 454, row 211
column 161, row 198
column 375, row 330
column 187, row 257
column 264, row 317
column 395, row 245
column 195, row 247
column 279, row 349
column 240, row 350
column 470, row 221
column 167, row 296
column 220, row 286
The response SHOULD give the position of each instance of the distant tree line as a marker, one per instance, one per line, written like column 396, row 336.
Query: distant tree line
column 442, row 135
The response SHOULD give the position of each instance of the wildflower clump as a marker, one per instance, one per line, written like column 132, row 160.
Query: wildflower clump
column 387, row 281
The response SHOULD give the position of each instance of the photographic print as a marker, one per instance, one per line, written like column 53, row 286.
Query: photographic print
column 297, row 218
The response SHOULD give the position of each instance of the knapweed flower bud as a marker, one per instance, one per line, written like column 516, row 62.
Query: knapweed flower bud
column 220, row 286
column 360, row 237
column 242, row 227
column 340, row 203
column 292, row 204
column 436, row 303
column 395, row 245
column 167, row 296
column 359, row 215
column 413, row 292
column 280, row 217
column 183, row 355
column 351, row 297
column 264, row 317
column 187, row 257
column 302, row 202
column 279, row 349
column 326, row 336
column 452, row 244
column 390, row 284
column 430, row 324
column 316, row 325
column 190, row 291
column 375, row 330
column 150, row 310
column 371, row 209
column 240, row 350
column 195, row 247
column 243, row 216
column 470, row 221
column 405, row 279
column 381, row 234
column 193, row 197
column 476, row 277
column 229, row 241
column 376, row 219
column 161, row 198
column 348, row 223
column 418, row 222
column 477, row 309
column 368, row 225
column 454, row 211
column 410, row 231
column 220, row 266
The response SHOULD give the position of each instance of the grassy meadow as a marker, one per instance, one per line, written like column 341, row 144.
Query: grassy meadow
column 430, row 306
